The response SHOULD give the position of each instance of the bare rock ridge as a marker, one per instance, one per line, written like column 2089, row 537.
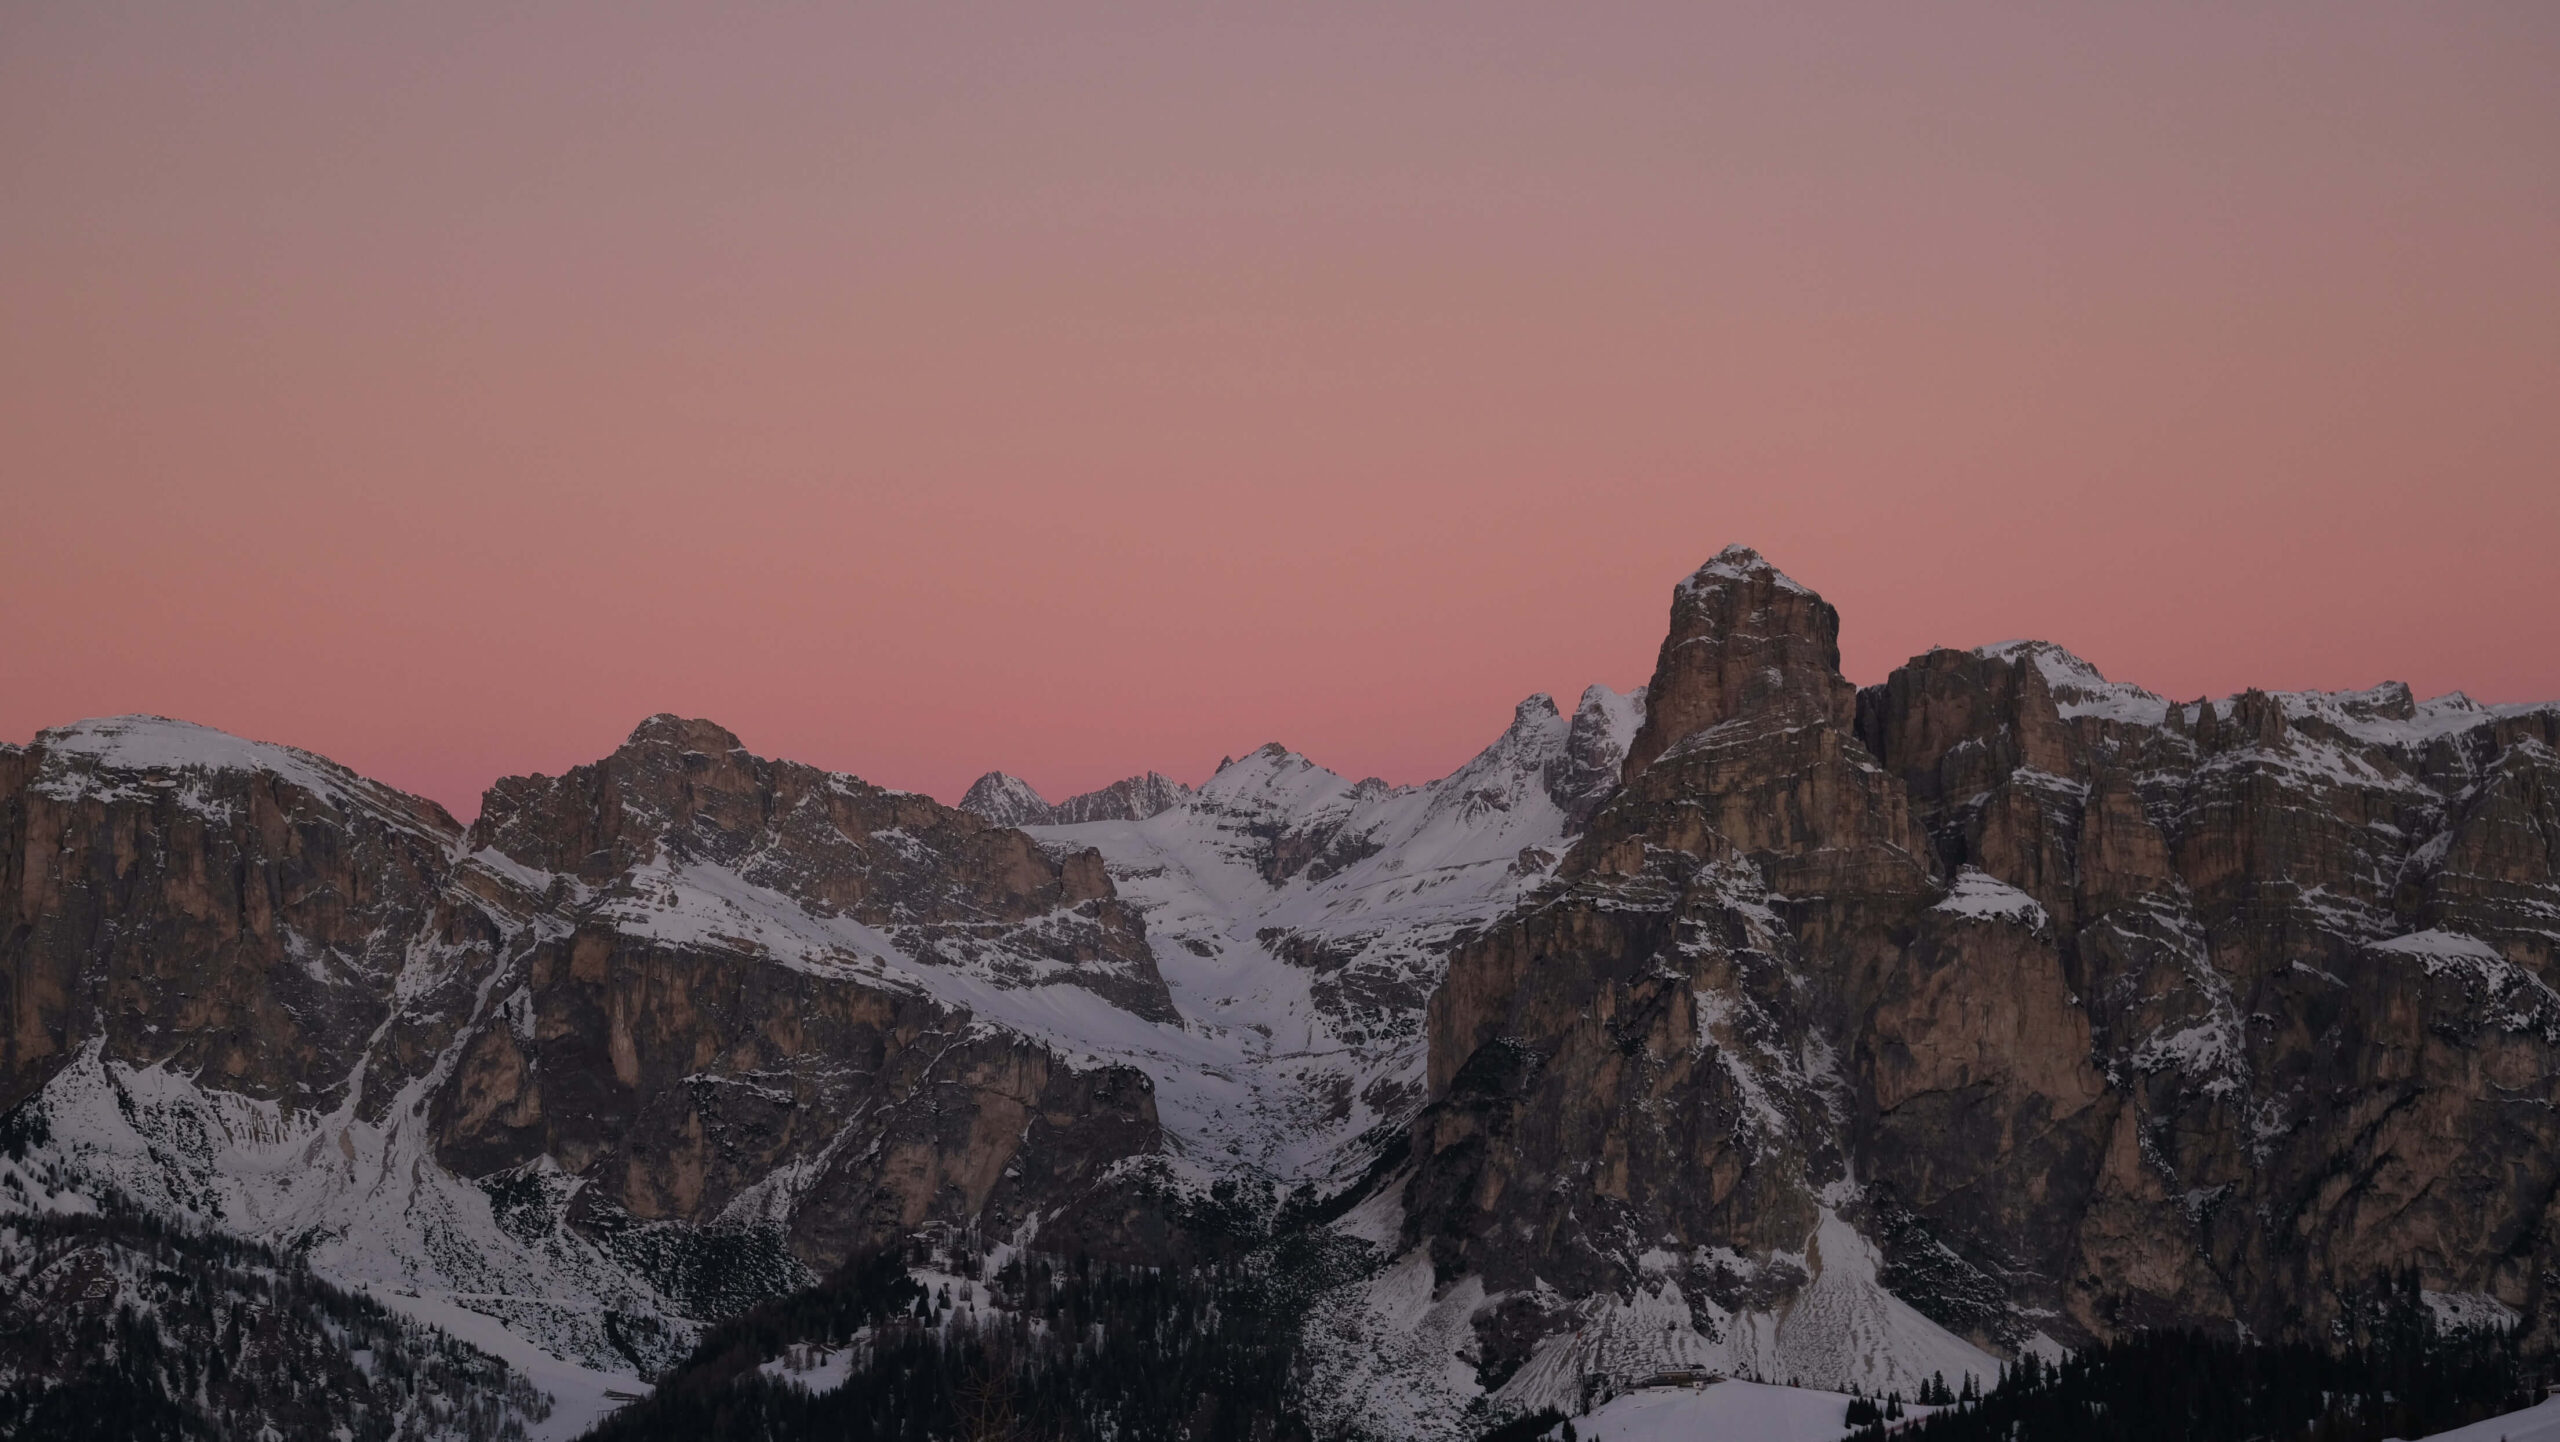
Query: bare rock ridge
column 2008, row 994
column 1751, row 1020
column 681, row 998
column 1012, row 801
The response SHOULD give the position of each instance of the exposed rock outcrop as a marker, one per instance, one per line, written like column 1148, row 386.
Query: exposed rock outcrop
column 2091, row 1010
column 683, row 993
column 1011, row 801
column 1752, row 1020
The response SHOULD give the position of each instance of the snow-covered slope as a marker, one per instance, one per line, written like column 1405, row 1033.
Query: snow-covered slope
column 1301, row 918
column 1728, row 1411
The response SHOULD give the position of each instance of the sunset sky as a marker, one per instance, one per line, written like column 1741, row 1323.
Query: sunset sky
column 1083, row 389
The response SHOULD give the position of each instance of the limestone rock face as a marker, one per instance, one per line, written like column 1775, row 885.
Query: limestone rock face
column 1752, row 1020
column 1745, row 641
column 2088, row 1009
column 683, row 800
column 684, row 998
column 697, row 1027
column 175, row 894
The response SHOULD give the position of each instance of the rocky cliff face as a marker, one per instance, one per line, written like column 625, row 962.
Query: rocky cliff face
column 176, row 895
column 1751, row 1020
column 668, row 1033
column 646, row 1041
column 1996, row 1005
column 708, row 1027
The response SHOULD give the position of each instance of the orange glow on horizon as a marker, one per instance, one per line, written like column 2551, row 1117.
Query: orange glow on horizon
column 924, row 392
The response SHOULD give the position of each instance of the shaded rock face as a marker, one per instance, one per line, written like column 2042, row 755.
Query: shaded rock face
column 689, row 1088
column 1745, row 642
column 691, row 986
column 692, row 1025
column 174, row 894
column 2092, row 1010
column 683, row 799
column 1595, row 752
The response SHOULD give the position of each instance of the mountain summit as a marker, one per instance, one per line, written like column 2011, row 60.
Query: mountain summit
column 1750, row 1021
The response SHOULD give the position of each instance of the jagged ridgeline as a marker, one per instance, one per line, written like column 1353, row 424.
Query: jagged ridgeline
column 1752, row 1022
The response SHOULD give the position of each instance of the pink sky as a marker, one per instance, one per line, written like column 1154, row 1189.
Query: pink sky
column 923, row 390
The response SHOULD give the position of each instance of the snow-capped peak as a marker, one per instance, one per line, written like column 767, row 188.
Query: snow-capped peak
column 110, row 756
column 1302, row 918
column 2078, row 688
column 1006, row 800
column 1739, row 563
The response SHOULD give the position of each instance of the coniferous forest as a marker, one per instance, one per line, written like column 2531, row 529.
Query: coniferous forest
column 1042, row 1347
column 2399, row 1376
column 1066, row 1350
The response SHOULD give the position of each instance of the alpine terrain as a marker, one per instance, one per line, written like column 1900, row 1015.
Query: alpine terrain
column 1752, row 1022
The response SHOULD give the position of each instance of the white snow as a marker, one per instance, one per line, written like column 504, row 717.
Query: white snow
column 2540, row 1423
column 1386, row 1354
column 823, row 1372
column 1727, row 1411
column 1005, row 799
column 1978, row 895
column 2512, row 996
column 2078, row 688
column 1263, row 1073
column 1739, row 563
column 1845, row 1328
column 1842, row 1329
column 126, row 757
column 2469, row 1311
column 580, row 1396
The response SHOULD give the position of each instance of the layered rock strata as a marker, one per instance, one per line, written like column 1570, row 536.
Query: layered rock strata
column 2065, row 1008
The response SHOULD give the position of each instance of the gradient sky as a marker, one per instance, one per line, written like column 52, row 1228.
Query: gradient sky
column 1080, row 389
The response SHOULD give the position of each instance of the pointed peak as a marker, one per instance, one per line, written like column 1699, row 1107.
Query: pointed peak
column 1601, row 699
column 1132, row 798
column 1604, row 724
column 1535, row 709
column 1006, row 800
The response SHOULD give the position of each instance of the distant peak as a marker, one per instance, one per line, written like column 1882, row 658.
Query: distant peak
column 1535, row 708
column 1005, row 800
column 686, row 734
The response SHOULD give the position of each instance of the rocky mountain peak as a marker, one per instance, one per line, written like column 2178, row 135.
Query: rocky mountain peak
column 1534, row 709
column 681, row 734
column 675, row 780
column 1595, row 747
column 1746, row 641
column 1006, row 800
column 1132, row 798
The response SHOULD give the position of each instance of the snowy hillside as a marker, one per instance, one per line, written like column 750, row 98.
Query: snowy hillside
column 1300, row 919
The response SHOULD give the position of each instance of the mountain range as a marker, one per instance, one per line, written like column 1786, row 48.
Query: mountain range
column 1752, row 1021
